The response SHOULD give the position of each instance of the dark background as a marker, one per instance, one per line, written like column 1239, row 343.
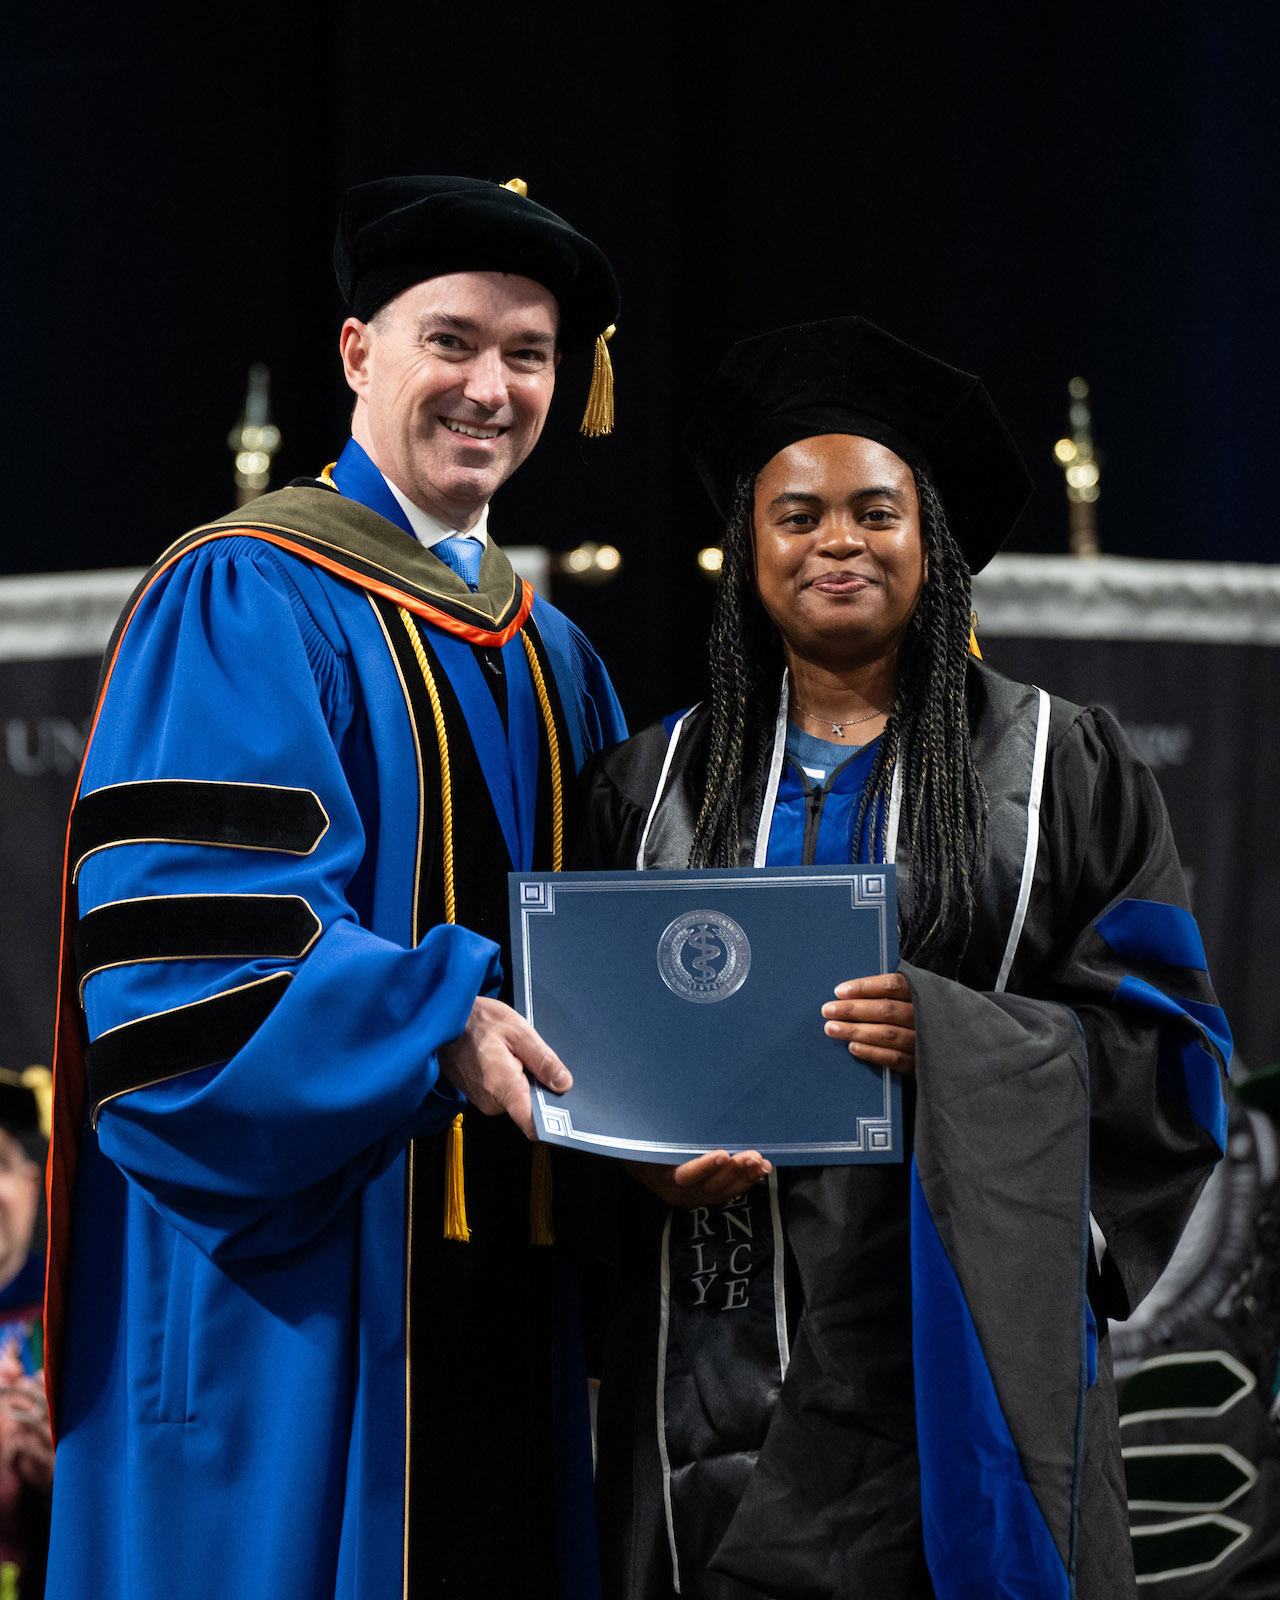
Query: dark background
column 1028, row 191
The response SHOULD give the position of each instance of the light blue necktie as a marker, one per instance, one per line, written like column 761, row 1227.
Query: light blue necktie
column 462, row 555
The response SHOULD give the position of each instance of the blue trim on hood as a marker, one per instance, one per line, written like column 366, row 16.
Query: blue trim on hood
column 1150, row 930
column 1187, row 1065
column 985, row 1536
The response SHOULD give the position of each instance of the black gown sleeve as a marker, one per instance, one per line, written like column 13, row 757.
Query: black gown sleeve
column 617, row 789
column 1111, row 935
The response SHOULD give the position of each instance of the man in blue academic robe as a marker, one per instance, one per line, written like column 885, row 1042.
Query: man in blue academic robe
column 327, row 729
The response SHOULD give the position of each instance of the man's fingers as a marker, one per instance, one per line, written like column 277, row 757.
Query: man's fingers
column 549, row 1070
column 537, row 1057
column 519, row 1107
column 489, row 1060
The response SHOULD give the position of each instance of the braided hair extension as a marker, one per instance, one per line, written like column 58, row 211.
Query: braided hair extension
column 745, row 650
column 944, row 805
column 943, row 820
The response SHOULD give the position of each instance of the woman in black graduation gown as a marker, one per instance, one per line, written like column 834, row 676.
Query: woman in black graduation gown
column 879, row 1380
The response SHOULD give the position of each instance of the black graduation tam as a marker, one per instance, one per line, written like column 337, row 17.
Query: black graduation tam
column 20, row 1109
column 848, row 376
column 394, row 232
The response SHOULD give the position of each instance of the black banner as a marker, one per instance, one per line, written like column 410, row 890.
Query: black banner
column 45, row 719
column 1185, row 654
column 1201, row 716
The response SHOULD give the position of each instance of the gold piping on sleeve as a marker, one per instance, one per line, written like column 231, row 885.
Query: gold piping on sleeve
column 408, row 1369
column 409, row 1154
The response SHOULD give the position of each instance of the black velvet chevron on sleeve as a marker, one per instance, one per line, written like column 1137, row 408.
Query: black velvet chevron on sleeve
column 246, row 816
column 170, row 1043
column 193, row 927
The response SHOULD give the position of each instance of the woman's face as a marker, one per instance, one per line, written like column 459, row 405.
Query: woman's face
column 840, row 560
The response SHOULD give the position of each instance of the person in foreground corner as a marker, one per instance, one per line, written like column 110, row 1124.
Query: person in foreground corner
column 910, row 1395
column 330, row 723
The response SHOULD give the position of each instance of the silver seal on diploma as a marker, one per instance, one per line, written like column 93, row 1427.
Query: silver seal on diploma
column 704, row 956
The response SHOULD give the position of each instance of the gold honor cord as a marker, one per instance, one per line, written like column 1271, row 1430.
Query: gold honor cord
column 455, row 1198
column 541, row 1230
column 553, row 747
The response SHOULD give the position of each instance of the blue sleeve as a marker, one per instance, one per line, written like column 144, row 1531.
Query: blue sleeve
column 591, row 707
column 235, row 670
column 608, row 725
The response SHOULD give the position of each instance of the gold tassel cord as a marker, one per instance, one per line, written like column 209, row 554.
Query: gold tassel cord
column 455, row 1190
column 597, row 419
column 517, row 186
column 973, row 635
column 455, row 1195
column 553, row 747
column 541, row 1227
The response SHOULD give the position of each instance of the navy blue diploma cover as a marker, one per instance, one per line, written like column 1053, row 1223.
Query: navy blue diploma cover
column 688, row 1006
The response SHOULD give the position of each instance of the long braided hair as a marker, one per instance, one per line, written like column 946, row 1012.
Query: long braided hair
column 942, row 826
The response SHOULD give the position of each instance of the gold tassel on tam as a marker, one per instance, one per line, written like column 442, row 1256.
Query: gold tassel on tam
column 455, row 1195
column 973, row 635
column 40, row 1081
column 598, row 417
column 541, row 1228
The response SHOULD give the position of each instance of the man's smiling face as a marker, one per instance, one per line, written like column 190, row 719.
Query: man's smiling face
column 453, row 379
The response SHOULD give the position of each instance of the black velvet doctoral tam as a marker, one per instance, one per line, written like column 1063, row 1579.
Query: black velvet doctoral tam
column 846, row 375
column 395, row 232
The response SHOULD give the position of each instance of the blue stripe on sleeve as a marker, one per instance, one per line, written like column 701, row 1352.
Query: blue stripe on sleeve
column 1149, row 930
column 1189, row 1061
column 984, row 1533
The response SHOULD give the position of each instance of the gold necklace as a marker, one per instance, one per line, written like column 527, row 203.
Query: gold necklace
column 838, row 727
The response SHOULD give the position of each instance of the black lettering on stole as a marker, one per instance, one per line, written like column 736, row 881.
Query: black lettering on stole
column 722, row 1372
